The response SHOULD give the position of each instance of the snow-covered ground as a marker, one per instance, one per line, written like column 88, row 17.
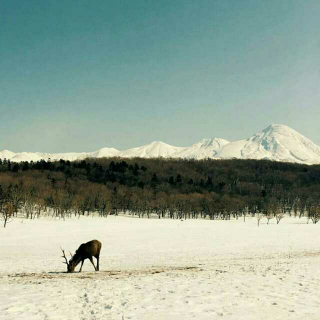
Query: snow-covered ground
column 162, row 269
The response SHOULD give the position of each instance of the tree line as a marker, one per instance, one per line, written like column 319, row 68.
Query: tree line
column 167, row 188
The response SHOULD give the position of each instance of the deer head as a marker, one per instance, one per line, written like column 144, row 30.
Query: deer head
column 70, row 264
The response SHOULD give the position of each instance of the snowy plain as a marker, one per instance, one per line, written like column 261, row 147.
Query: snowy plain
column 161, row 269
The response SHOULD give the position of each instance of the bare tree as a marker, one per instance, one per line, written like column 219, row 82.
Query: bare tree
column 259, row 216
column 15, row 195
column 269, row 216
column 7, row 212
column 279, row 216
column 315, row 215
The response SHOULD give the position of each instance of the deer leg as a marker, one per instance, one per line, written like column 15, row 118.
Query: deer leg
column 81, row 265
column 97, row 262
column 93, row 263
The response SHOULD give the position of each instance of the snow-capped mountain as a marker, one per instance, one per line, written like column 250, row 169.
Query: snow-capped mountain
column 105, row 153
column 71, row 156
column 26, row 156
column 206, row 148
column 6, row 154
column 276, row 142
column 155, row 149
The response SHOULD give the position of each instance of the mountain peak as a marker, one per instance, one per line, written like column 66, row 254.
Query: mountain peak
column 155, row 149
column 279, row 131
column 277, row 142
column 281, row 143
column 158, row 143
column 279, row 128
column 105, row 153
column 216, row 142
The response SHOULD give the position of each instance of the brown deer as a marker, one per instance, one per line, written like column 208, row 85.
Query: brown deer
column 85, row 251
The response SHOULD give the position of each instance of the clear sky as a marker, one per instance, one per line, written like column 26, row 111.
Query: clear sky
column 82, row 75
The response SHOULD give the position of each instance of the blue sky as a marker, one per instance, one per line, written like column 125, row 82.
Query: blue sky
column 82, row 75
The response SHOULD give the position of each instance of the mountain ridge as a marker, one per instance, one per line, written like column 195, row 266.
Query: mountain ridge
column 276, row 142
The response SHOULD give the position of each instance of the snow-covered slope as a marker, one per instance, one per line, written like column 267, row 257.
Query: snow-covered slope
column 153, row 150
column 6, row 154
column 26, row 156
column 206, row 148
column 71, row 156
column 105, row 153
column 276, row 142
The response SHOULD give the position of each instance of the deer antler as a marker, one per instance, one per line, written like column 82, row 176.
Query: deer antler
column 64, row 256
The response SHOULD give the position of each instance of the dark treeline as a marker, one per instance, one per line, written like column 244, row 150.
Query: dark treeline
column 215, row 189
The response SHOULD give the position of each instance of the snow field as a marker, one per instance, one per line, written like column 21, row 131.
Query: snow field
column 161, row 269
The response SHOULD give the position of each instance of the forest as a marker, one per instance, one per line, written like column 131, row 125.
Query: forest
column 164, row 188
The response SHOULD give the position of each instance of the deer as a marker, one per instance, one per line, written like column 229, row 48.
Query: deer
column 85, row 251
